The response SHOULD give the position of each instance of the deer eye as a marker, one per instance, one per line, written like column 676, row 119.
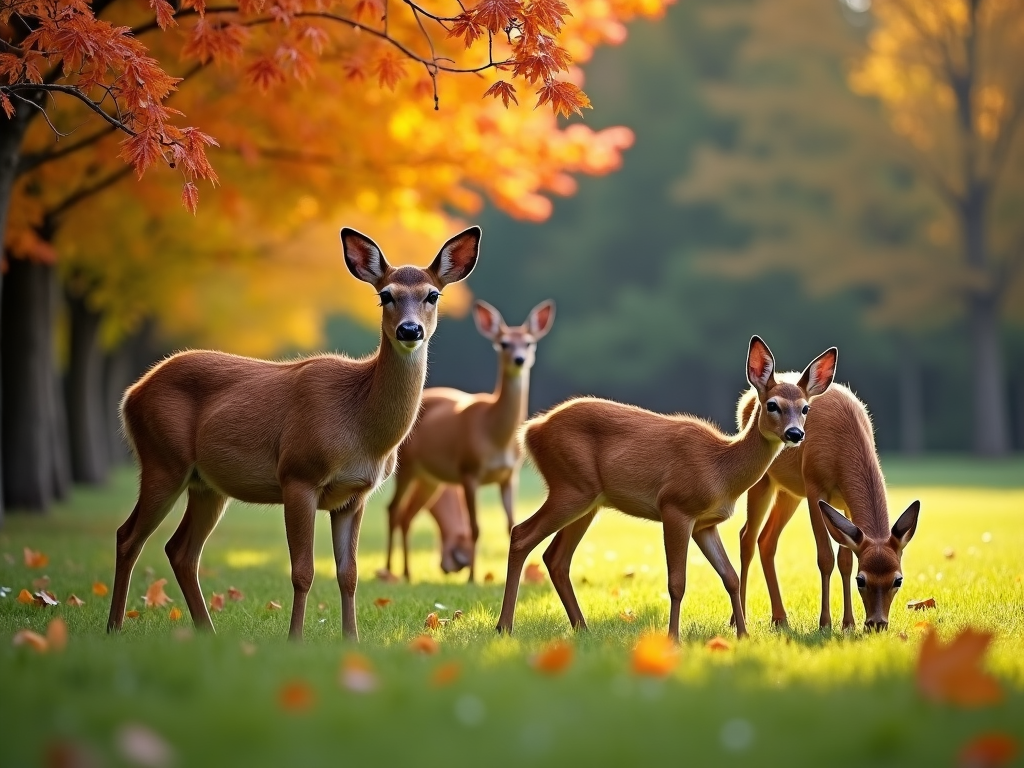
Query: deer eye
column 772, row 406
column 505, row 345
column 806, row 408
column 432, row 297
column 862, row 581
column 898, row 582
column 386, row 298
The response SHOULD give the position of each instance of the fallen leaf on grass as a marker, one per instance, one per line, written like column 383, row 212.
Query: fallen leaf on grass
column 903, row 636
column 357, row 674
column 43, row 597
column 30, row 639
column 488, row 578
column 99, row 588
column 41, row 583
column 554, row 658
column 920, row 605
column 951, row 673
column 949, row 553
column 141, row 745
column 629, row 573
column 432, row 622
column 217, row 601
column 57, row 634
column 296, row 696
column 446, row 674
column 75, row 600
column 424, row 644
column 383, row 574
column 628, row 616
column 155, row 595
column 235, row 594
column 457, row 615
column 35, row 559
column 131, row 614
column 175, row 614
column 614, row 591
column 382, row 602
column 534, row 574
column 248, row 649
column 717, row 643
column 655, row 654
column 989, row 750
column 273, row 605
column 25, row 597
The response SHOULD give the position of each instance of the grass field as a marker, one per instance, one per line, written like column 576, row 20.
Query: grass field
column 796, row 698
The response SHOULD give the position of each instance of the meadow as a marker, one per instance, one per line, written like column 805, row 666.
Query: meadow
column 246, row 695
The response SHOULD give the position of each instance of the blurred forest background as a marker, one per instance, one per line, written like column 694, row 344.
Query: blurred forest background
column 799, row 171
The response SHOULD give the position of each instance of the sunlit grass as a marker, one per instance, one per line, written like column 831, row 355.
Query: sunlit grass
column 845, row 698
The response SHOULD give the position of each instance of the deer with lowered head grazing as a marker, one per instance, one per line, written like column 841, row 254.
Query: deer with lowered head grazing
column 836, row 464
column 318, row 433
column 470, row 440
column 679, row 470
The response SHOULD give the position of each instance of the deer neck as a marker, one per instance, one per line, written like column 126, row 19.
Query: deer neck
column 749, row 454
column 508, row 411
column 394, row 393
column 863, row 490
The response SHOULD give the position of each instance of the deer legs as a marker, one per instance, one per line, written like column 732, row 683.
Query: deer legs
column 469, row 486
column 768, row 543
column 558, row 558
column 506, row 501
column 299, row 518
column 205, row 509
column 826, row 555
column 345, row 536
column 678, row 530
column 710, row 542
column 759, row 499
column 845, row 560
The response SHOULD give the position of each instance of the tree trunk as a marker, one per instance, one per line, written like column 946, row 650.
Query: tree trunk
column 58, row 418
column 86, row 396
column 911, row 400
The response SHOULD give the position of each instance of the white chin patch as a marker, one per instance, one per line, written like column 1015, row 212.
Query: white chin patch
column 409, row 346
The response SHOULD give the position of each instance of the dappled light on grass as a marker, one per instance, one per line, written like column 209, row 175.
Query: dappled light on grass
column 246, row 558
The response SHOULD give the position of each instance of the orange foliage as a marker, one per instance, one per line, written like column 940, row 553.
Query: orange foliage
column 554, row 658
column 951, row 673
column 655, row 655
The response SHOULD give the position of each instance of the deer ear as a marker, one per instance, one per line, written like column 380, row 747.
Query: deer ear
column 904, row 528
column 488, row 320
column 840, row 528
column 817, row 377
column 363, row 257
column 760, row 366
column 457, row 257
column 541, row 318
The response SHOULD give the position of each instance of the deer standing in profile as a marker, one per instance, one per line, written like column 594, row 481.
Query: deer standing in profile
column 319, row 433
column 470, row 440
column 679, row 470
column 837, row 464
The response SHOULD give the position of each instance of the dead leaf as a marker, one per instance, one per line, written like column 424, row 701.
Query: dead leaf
column 629, row 573
column 296, row 696
column 31, row 639
column 357, row 674
column 534, row 574
column 424, row 644
column 235, row 594
column 248, row 649
column 432, row 622
column 44, row 597
column 99, row 588
column 903, row 636
column 383, row 574
column 57, row 634
column 488, row 578
column 35, row 559
column 457, row 615
column 141, row 745
column 554, row 658
column 382, row 602
column 989, row 750
column 614, row 591
column 655, row 654
column 628, row 616
column 952, row 673
column 175, row 614
column 920, row 605
column 75, row 600
column 155, row 596
column 41, row 583
column 25, row 597
column 273, row 605
column 717, row 643
column 131, row 614
column 446, row 674
column 949, row 553
column 217, row 601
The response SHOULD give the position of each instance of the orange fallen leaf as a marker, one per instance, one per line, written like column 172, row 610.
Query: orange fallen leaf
column 952, row 673
column 717, row 643
column 382, row 602
column 424, row 644
column 923, row 624
column 217, row 601
column 627, row 616
column 57, row 634
column 41, row 583
column 35, row 559
column 357, row 674
column 614, row 591
column 155, row 595
column 432, row 622
column 554, row 658
column 99, row 588
column 273, row 605
column 75, row 600
column 383, row 574
column 534, row 574
column 131, row 614
column 25, row 597
column 235, row 594
column 655, row 654
column 488, row 578
column 295, row 696
column 920, row 605
column 31, row 639
column 989, row 750
column 175, row 614
column 446, row 674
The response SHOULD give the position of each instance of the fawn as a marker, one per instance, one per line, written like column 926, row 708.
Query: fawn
column 679, row 470
column 837, row 463
column 317, row 433
column 470, row 440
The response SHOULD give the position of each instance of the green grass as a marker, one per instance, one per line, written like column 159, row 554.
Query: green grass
column 802, row 697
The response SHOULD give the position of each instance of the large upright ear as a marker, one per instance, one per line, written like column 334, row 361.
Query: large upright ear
column 488, row 319
column 541, row 318
column 817, row 376
column 840, row 528
column 363, row 257
column 760, row 366
column 457, row 257
column 904, row 528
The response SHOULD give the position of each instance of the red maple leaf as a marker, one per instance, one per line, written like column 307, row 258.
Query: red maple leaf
column 504, row 91
column 565, row 98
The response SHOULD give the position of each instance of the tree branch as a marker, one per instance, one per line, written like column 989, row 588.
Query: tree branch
column 83, row 193
column 70, row 90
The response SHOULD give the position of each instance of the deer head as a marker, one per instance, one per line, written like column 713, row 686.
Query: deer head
column 517, row 345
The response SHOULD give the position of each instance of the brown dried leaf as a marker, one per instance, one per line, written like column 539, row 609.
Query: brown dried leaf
column 35, row 559
column 534, row 574
column 217, row 601
column 30, row 639
column 75, row 601
column 131, row 614
column 273, row 605
column 382, row 602
column 488, row 578
column 432, row 622
column 424, row 644
column 43, row 597
column 952, row 673
column 235, row 594
column 155, row 596
column 920, row 605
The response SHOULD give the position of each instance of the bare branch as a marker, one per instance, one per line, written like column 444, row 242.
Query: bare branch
column 70, row 90
column 83, row 193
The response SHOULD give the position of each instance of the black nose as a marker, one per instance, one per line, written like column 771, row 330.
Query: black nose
column 794, row 434
column 409, row 332
column 878, row 626
column 520, row 360
column 461, row 558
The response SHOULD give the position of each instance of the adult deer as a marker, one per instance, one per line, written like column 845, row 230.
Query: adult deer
column 679, row 470
column 470, row 440
column 318, row 433
column 838, row 464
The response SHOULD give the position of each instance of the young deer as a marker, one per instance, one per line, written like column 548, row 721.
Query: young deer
column 470, row 440
column 319, row 433
column 837, row 463
column 679, row 470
